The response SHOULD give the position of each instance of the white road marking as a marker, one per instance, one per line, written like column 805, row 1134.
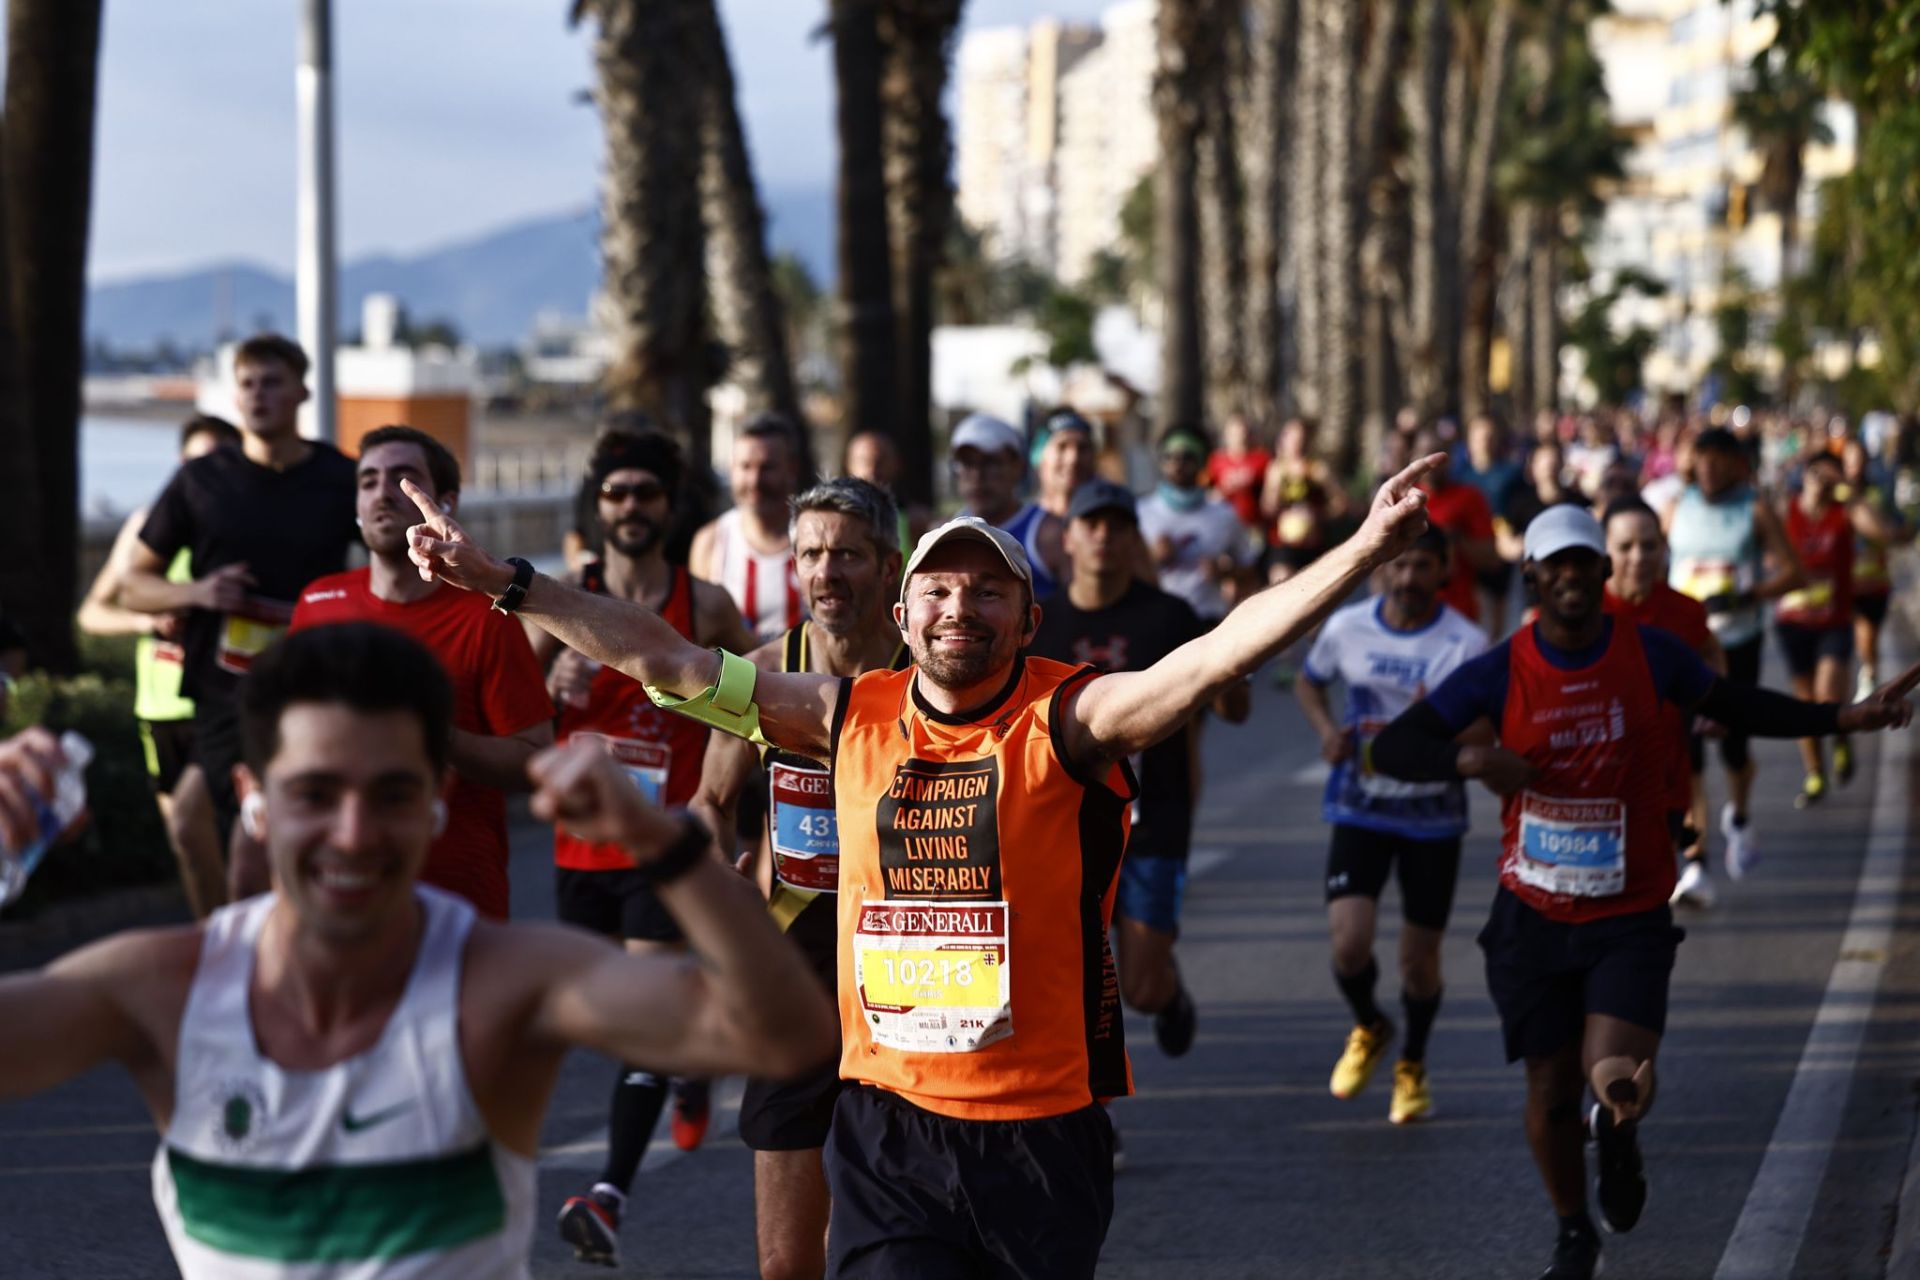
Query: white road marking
column 1766, row 1240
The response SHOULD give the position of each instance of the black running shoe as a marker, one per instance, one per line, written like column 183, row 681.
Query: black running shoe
column 1576, row 1256
column 1174, row 1025
column 1621, row 1187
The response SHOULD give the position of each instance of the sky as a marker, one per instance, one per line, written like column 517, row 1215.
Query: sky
column 453, row 118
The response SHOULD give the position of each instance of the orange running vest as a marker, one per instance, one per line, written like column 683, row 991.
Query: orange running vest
column 977, row 877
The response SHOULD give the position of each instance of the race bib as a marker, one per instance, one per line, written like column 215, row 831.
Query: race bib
column 1705, row 579
column 242, row 640
column 1812, row 598
column 806, row 834
column 1573, row 847
column 647, row 763
column 1296, row 526
column 934, row 977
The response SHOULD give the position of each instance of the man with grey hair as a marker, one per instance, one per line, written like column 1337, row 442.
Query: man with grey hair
column 847, row 559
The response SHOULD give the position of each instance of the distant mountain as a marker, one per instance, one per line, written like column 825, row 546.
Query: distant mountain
column 491, row 287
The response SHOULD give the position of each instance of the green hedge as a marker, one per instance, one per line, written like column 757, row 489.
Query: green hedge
column 124, row 842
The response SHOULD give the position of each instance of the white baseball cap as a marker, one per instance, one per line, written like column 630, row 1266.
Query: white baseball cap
column 970, row 529
column 988, row 434
column 1559, row 528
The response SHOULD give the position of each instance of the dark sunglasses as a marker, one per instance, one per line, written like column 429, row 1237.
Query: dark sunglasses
column 645, row 491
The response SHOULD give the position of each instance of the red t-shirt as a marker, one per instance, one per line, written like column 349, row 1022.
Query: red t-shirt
column 498, row 690
column 1825, row 544
column 1237, row 478
column 1683, row 616
column 1461, row 511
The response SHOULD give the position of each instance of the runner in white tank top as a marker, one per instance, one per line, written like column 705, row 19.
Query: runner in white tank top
column 380, row 1165
column 762, row 583
column 350, row 1075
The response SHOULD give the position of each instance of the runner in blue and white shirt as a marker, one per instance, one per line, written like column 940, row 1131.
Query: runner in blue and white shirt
column 1388, row 652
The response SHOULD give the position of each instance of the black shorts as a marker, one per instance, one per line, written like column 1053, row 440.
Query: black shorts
column 1804, row 647
column 618, row 904
column 919, row 1196
column 168, row 745
column 1546, row 976
column 1873, row 608
column 217, row 749
column 794, row 1114
column 1359, row 858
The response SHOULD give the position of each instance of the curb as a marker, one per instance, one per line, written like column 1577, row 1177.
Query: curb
column 68, row 924
column 1903, row 1259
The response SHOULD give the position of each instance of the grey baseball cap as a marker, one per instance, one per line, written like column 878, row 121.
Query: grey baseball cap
column 969, row 529
column 1101, row 495
column 1560, row 528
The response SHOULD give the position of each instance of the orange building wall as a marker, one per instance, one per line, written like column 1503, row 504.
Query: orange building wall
column 447, row 418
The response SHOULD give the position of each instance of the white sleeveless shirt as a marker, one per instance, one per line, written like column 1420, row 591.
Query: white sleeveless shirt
column 764, row 584
column 380, row 1165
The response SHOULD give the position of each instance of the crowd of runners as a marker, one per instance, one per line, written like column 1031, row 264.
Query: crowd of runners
column 893, row 816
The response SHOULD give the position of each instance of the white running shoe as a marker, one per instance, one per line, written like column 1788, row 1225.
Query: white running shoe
column 1695, row 888
column 1743, row 850
column 1863, row 687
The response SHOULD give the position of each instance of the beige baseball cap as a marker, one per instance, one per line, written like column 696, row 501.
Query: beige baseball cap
column 971, row 529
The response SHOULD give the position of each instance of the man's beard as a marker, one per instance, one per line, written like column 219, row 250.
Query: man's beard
column 963, row 670
column 845, row 621
column 635, row 546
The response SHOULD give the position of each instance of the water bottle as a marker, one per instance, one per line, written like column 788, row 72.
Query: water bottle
column 55, row 815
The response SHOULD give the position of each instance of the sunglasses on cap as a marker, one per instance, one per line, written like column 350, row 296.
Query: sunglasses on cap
column 642, row 490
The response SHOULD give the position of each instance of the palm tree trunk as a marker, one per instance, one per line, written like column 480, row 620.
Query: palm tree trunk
column 1432, row 257
column 1341, row 314
column 918, row 35
column 1544, row 303
column 653, row 239
column 1305, row 239
column 53, row 56
column 747, row 311
column 1265, row 141
column 1526, row 245
column 869, row 364
column 1223, row 219
column 1477, row 242
column 22, row 577
column 1177, row 96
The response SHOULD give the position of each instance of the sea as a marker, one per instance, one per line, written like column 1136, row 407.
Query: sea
column 124, row 462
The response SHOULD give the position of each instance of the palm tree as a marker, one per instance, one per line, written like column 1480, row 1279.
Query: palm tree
column 1304, row 224
column 746, row 306
column 1433, row 277
column 1780, row 110
column 918, row 36
column 1185, row 36
column 1477, row 244
column 1223, row 207
column 868, row 336
column 653, row 239
column 1271, row 66
column 53, row 56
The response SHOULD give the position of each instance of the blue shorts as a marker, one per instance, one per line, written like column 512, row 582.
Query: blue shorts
column 1151, row 890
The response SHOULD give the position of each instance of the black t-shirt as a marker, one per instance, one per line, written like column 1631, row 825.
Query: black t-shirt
column 288, row 527
column 1131, row 634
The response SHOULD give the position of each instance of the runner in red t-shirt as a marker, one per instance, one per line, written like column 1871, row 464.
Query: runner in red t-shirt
column 1638, row 592
column 1462, row 512
column 501, row 712
column 1238, row 468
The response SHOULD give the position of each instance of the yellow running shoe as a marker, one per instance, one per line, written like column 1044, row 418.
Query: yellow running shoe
column 1812, row 791
column 1366, row 1046
column 1412, row 1100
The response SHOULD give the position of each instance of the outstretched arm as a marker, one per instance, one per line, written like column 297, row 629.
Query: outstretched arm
column 796, row 710
column 1116, row 715
column 743, row 1002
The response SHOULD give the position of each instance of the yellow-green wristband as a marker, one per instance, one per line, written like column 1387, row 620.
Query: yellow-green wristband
column 726, row 705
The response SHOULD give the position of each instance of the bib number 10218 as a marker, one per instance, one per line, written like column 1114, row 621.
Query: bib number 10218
column 914, row 972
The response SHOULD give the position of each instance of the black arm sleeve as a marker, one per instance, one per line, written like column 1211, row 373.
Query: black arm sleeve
column 1417, row 747
column 1766, row 714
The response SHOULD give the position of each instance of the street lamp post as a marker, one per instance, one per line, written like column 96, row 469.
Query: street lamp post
column 316, row 280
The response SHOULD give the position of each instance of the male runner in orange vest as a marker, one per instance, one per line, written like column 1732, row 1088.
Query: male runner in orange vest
column 981, row 799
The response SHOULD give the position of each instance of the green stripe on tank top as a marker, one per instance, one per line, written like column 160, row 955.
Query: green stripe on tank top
column 340, row 1213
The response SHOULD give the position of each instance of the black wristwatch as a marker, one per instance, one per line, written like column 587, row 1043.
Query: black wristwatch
column 678, row 858
column 516, row 593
